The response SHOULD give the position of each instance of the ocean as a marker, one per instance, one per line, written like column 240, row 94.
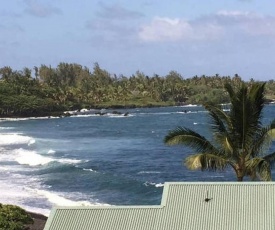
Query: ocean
column 99, row 160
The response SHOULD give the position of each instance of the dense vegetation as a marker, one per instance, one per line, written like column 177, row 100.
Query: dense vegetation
column 239, row 140
column 14, row 218
column 46, row 90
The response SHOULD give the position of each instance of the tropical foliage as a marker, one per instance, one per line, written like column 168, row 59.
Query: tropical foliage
column 46, row 90
column 13, row 217
column 240, row 140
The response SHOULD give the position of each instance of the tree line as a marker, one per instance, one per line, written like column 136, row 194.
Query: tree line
column 46, row 90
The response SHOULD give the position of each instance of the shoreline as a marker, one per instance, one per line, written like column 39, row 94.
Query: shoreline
column 39, row 221
column 84, row 111
column 95, row 111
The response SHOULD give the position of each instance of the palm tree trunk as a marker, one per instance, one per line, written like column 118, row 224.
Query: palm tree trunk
column 239, row 172
column 239, row 178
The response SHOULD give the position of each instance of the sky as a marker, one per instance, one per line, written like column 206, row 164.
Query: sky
column 191, row 37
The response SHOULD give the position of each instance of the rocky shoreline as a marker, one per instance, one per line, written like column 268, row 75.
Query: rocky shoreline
column 39, row 221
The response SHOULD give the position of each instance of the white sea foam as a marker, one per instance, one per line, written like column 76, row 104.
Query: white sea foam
column 118, row 115
column 149, row 172
column 60, row 200
column 6, row 128
column 157, row 185
column 183, row 112
column 32, row 141
column 90, row 170
column 51, row 151
column 85, row 115
column 69, row 161
column 28, row 118
column 24, row 191
column 15, row 138
column 31, row 158
column 13, row 191
column 43, row 211
column 57, row 199
column 189, row 105
column 110, row 115
column 160, row 113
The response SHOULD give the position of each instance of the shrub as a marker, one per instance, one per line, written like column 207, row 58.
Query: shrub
column 13, row 218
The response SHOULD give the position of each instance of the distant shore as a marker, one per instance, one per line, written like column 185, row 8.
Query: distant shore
column 96, row 110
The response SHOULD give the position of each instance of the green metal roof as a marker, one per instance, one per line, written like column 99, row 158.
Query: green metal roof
column 184, row 205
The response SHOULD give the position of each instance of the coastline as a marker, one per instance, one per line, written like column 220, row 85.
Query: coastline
column 39, row 218
column 97, row 110
column 39, row 221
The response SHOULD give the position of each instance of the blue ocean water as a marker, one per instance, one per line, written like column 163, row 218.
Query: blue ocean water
column 98, row 160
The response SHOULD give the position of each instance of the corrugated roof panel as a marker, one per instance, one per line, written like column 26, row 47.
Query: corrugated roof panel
column 197, row 206
column 229, row 206
column 105, row 218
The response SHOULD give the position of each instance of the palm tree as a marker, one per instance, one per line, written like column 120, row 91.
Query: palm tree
column 239, row 138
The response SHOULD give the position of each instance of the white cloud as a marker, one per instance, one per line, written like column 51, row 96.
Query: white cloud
column 222, row 25
column 167, row 29
column 250, row 23
column 233, row 13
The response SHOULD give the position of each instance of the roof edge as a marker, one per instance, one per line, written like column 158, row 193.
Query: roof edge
column 163, row 199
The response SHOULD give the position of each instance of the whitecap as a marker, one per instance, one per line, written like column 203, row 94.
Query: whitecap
column 84, row 115
column 60, row 200
column 32, row 141
column 149, row 172
column 157, row 185
column 28, row 118
column 15, row 138
column 14, row 192
column 189, row 105
column 111, row 115
column 184, row 112
column 6, row 128
column 51, row 151
column 91, row 170
column 31, row 158
column 69, row 161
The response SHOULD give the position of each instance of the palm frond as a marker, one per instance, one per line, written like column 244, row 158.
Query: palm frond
column 257, row 96
column 240, row 138
column 217, row 111
column 271, row 131
column 246, row 114
column 206, row 161
column 219, row 124
column 270, row 158
column 260, row 167
column 262, row 139
column 230, row 91
column 264, row 171
column 188, row 137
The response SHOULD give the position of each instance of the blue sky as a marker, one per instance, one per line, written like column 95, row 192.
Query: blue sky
column 192, row 37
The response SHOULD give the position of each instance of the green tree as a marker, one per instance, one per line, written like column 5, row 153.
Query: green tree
column 240, row 140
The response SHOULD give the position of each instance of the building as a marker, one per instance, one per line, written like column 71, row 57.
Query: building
column 184, row 205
